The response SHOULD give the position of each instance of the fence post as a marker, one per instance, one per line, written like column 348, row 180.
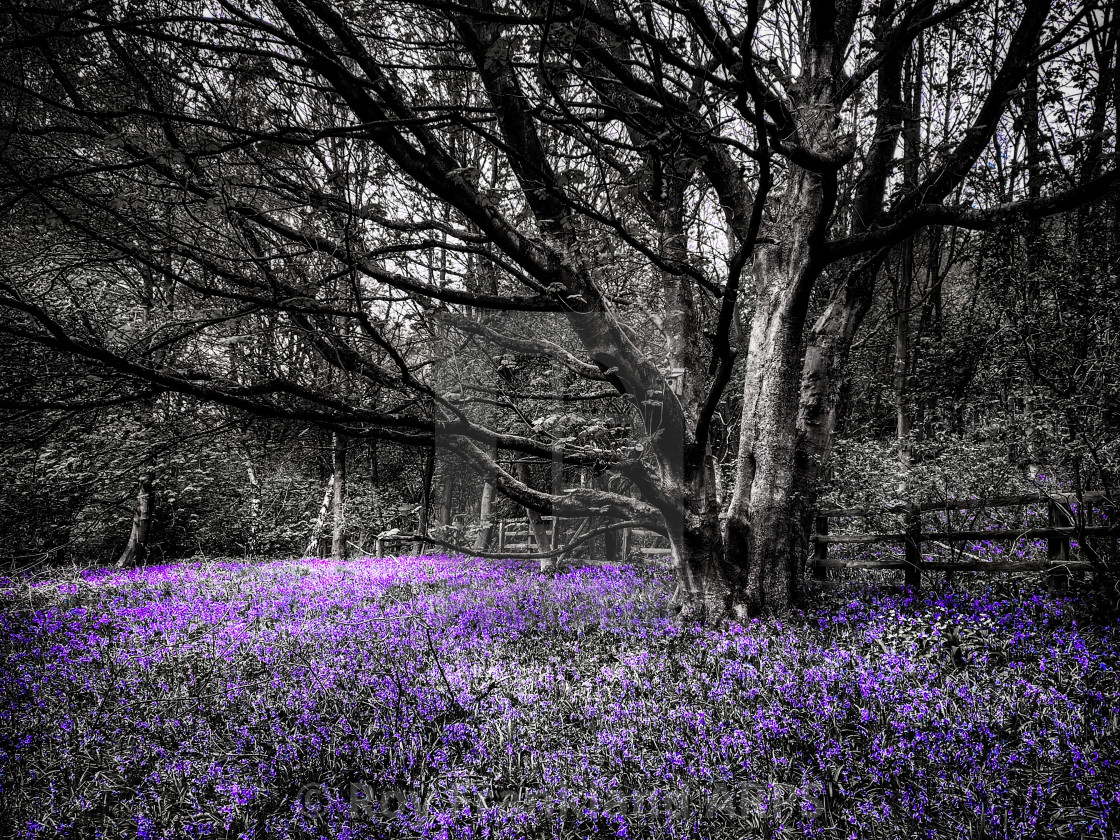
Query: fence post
column 913, row 555
column 1057, row 549
column 820, row 549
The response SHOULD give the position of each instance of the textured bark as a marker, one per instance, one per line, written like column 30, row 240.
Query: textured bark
column 446, row 492
column 485, row 522
column 313, row 545
column 821, row 405
column 254, row 507
column 612, row 547
column 537, row 524
column 338, row 510
column 903, row 287
column 157, row 291
column 691, row 511
column 762, row 528
column 136, row 551
column 829, row 341
column 425, row 496
column 912, row 149
column 705, row 580
column 761, row 531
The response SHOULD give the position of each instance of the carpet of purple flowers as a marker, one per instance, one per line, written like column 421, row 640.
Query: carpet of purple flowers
column 449, row 697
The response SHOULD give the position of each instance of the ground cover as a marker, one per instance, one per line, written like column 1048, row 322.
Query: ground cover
column 450, row 697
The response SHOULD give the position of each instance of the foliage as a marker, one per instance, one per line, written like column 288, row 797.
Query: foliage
column 869, row 473
column 69, row 492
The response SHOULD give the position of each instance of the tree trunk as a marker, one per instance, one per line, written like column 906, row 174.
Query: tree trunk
column 374, row 481
column 692, row 523
column 338, row 467
column 317, row 528
column 705, row 577
column 588, row 522
column 537, row 525
column 136, row 552
column 912, row 143
column 612, row 547
column 254, row 507
column 903, row 287
column 446, row 491
column 822, row 387
column 425, row 498
column 557, row 475
column 597, row 546
column 485, row 523
column 821, row 403
column 763, row 531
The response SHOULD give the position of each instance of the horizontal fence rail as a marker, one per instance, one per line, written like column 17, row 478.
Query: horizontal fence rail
column 1061, row 509
column 975, row 504
column 972, row 536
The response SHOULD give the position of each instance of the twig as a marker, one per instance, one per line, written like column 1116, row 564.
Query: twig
column 443, row 675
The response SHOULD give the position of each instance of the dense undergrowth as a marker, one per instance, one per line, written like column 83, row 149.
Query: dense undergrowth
column 449, row 697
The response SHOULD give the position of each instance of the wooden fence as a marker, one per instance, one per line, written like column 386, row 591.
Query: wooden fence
column 514, row 534
column 1068, row 518
column 519, row 530
column 522, row 534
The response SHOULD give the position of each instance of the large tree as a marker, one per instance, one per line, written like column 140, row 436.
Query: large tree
column 673, row 205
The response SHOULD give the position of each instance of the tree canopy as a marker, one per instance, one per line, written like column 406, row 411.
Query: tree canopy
column 439, row 223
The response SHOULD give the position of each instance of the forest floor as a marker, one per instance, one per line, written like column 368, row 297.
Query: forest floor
column 450, row 697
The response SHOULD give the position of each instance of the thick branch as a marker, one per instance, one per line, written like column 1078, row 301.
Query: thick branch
column 970, row 217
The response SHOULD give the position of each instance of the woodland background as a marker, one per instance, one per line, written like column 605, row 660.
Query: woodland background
column 987, row 363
